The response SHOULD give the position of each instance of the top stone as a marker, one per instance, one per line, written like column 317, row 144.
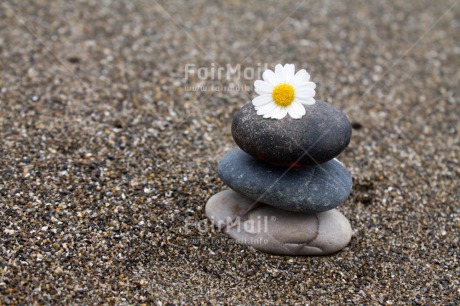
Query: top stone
column 320, row 135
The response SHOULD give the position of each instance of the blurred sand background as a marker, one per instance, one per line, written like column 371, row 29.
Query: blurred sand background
column 105, row 156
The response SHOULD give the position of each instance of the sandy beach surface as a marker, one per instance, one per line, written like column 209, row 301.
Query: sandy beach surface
column 110, row 138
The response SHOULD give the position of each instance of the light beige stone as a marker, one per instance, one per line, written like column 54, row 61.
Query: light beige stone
column 276, row 231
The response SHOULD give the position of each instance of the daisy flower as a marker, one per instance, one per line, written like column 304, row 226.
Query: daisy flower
column 283, row 92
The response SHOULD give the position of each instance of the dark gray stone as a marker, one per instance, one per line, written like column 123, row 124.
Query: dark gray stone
column 322, row 134
column 302, row 189
column 276, row 231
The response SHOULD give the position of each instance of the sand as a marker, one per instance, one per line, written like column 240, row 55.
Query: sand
column 107, row 158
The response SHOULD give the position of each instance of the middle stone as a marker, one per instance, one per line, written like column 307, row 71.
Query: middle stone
column 302, row 189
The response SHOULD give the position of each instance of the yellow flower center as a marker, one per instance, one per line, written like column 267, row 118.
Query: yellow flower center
column 283, row 94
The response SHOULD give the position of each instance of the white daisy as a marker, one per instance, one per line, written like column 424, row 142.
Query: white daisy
column 283, row 92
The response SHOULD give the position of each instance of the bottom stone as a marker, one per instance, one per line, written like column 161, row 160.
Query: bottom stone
column 276, row 231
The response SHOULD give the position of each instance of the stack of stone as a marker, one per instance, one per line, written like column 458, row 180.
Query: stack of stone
column 286, row 182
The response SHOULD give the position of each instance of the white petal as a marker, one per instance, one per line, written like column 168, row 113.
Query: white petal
column 306, row 101
column 262, row 100
column 304, row 92
column 270, row 77
column 265, row 108
column 282, row 113
column 306, row 85
column 262, row 110
column 296, row 110
column 273, row 113
column 301, row 77
column 289, row 70
column 262, row 87
column 279, row 71
column 303, row 97
column 293, row 113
